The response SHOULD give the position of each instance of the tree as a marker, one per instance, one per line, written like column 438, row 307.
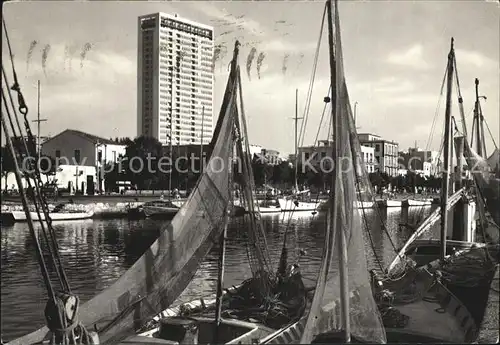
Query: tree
column 258, row 168
column 141, row 161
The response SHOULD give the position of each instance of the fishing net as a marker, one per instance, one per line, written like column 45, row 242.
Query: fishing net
column 485, row 180
column 325, row 314
column 267, row 298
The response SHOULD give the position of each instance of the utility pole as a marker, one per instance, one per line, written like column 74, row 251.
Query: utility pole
column 38, row 120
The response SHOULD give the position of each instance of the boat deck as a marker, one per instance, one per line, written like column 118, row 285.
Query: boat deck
column 489, row 330
column 143, row 340
column 426, row 319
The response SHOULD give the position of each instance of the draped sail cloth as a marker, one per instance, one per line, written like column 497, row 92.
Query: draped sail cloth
column 165, row 270
column 488, row 185
column 324, row 315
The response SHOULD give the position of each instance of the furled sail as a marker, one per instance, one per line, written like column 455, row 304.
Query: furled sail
column 167, row 267
column 325, row 315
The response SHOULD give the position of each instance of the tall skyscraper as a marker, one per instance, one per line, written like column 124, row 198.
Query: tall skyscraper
column 174, row 62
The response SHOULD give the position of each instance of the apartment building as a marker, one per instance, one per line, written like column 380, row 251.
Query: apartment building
column 386, row 152
column 175, row 79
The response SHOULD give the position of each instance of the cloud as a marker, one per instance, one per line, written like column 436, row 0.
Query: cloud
column 210, row 10
column 393, row 85
column 284, row 46
column 474, row 58
column 81, row 97
column 412, row 57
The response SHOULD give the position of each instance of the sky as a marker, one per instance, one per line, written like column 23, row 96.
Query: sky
column 395, row 56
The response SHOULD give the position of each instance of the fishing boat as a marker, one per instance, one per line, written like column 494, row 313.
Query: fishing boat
column 465, row 267
column 159, row 208
column 420, row 308
column 298, row 202
column 269, row 206
column 388, row 203
column 20, row 216
column 160, row 275
column 424, row 251
column 416, row 203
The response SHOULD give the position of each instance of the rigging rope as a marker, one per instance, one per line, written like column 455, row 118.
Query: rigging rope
column 62, row 307
column 311, row 84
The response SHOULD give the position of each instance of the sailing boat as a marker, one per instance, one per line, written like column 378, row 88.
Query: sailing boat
column 166, row 268
column 299, row 200
column 426, row 251
column 465, row 287
column 343, row 308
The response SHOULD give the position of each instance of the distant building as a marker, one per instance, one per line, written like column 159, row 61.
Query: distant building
column 272, row 156
column 174, row 79
column 315, row 154
column 255, row 150
column 422, row 162
column 80, row 157
column 386, row 152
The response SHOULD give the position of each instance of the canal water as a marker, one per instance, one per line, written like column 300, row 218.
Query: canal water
column 96, row 252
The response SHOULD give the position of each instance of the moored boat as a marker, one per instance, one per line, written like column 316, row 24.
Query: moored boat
column 293, row 204
column 160, row 208
column 20, row 216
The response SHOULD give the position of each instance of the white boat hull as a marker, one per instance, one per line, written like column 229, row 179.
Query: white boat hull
column 275, row 209
column 20, row 216
column 411, row 202
column 288, row 205
column 363, row 204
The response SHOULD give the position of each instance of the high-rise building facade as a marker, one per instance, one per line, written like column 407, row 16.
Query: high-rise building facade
column 174, row 79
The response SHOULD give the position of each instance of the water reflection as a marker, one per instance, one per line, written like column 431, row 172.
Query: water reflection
column 96, row 252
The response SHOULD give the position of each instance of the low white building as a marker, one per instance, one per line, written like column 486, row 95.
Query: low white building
column 323, row 150
column 80, row 158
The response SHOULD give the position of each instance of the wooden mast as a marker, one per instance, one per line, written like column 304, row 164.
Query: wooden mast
column 447, row 152
column 477, row 121
column 296, row 119
column 222, row 241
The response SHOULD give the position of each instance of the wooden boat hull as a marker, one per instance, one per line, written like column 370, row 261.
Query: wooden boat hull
column 415, row 203
column 244, row 331
column 440, row 317
column 155, row 211
column 20, row 216
column 426, row 251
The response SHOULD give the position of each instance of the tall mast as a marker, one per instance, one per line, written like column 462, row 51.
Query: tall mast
column 38, row 120
column 479, row 147
column 296, row 118
column 337, row 121
column 447, row 152
column 222, row 241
